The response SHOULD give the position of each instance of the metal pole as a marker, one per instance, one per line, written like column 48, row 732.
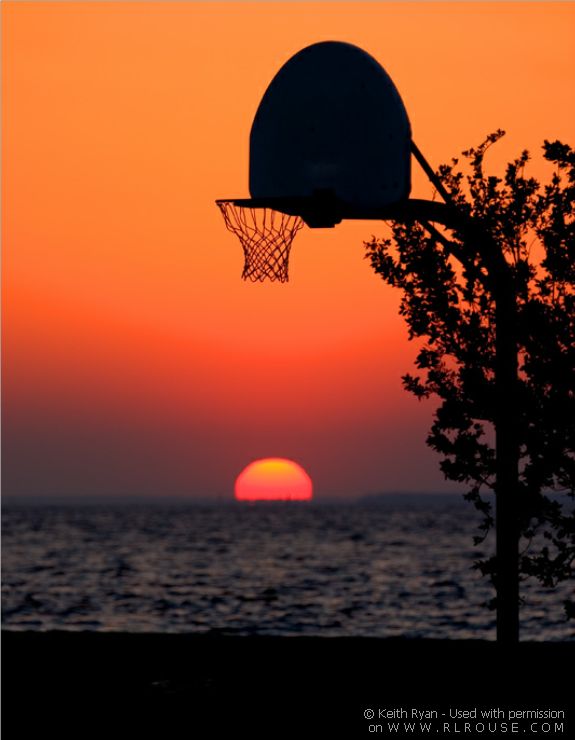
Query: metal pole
column 507, row 463
column 506, row 414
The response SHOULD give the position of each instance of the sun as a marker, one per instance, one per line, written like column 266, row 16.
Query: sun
column 273, row 479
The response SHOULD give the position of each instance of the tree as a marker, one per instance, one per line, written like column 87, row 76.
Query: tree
column 449, row 304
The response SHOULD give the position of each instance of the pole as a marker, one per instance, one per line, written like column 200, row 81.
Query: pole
column 506, row 398
column 507, row 463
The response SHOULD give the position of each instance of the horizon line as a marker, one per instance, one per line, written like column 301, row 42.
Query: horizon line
column 215, row 500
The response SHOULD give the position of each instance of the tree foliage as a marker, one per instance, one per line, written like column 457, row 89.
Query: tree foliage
column 448, row 304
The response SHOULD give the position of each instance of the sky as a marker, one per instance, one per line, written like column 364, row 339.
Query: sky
column 135, row 360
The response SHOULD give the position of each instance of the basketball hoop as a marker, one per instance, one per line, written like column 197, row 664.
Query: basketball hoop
column 266, row 237
column 329, row 141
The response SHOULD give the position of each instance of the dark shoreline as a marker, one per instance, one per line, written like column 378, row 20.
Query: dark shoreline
column 71, row 684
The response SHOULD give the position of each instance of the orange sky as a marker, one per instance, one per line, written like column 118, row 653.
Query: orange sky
column 135, row 359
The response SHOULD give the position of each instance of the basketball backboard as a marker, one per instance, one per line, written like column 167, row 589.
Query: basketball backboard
column 331, row 126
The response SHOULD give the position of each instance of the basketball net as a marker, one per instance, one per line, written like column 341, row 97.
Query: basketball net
column 266, row 237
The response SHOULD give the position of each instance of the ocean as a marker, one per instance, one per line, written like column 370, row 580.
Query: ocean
column 396, row 566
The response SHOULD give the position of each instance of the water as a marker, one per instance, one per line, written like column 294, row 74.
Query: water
column 402, row 568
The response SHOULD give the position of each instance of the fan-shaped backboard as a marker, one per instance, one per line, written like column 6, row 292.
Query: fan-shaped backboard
column 332, row 125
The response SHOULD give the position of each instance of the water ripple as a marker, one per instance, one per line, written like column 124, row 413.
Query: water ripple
column 334, row 571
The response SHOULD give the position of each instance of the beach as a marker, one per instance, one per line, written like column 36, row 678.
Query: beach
column 114, row 685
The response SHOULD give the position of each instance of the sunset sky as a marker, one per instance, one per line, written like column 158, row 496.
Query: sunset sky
column 135, row 360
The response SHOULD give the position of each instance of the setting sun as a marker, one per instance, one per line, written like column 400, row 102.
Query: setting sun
column 273, row 479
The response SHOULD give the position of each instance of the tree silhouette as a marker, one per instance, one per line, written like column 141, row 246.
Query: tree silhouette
column 448, row 303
